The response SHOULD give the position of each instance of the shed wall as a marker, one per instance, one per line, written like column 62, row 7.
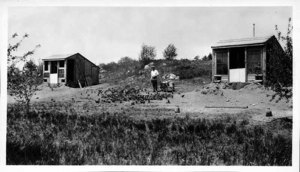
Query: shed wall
column 252, row 56
column 84, row 72
column 256, row 56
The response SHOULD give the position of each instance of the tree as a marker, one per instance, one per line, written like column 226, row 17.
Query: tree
column 170, row 52
column 22, row 84
column 112, row 66
column 128, row 65
column 207, row 58
column 197, row 57
column 13, row 59
column 280, row 68
column 126, row 61
column 147, row 54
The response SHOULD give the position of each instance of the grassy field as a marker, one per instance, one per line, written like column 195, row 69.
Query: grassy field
column 52, row 137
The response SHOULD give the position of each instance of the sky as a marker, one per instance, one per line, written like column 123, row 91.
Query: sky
column 106, row 34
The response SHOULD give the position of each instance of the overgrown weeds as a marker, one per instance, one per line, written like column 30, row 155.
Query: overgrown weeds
column 115, row 139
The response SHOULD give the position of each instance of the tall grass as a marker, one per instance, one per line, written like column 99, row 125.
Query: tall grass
column 104, row 138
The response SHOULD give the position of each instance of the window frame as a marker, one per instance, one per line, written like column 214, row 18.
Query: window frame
column 251, row 63
column 224, row 55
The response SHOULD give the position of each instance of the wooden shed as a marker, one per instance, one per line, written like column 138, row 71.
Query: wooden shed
column 242, row 60
column 73, row 70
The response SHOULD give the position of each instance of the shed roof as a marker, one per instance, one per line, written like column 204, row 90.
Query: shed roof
column 64, row 57
column 58, row 57
column 241, row 42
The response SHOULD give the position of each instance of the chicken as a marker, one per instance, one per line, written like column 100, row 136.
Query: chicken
column 177, row 110
column 97, row 101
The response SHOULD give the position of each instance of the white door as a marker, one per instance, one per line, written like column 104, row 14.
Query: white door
column 53, row 78
column 237, row 75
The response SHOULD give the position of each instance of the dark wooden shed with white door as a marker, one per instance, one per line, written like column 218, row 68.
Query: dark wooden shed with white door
column 242, row 60
column 73, row 70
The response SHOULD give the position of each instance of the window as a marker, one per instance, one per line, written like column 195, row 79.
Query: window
column 222, row 63
column 61, row 63
column 61, row 73
column 254, row 61
column 46, row 65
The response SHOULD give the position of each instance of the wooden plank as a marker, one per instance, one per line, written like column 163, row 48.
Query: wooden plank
column 66, row 70
column 228, row 65
column 232, row 107
column 237, row 75
column 53, row 78
column 246, row 66
column 79, row 84
column 264, row 58
column 213, row 64
column 251, row 77
column 225, row 78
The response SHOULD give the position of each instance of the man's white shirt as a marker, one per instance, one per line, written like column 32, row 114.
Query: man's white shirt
column 154, row 73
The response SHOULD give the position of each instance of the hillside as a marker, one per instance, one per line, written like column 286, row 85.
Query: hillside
column 131, row 72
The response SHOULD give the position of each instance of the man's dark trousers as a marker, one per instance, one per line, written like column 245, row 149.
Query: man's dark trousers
column 154, row 84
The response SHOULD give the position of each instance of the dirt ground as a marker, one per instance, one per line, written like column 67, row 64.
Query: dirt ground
column 255, row 100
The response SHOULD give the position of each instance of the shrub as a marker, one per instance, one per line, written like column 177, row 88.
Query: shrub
column 22, row 83
column 187, row 69
column 280, row 68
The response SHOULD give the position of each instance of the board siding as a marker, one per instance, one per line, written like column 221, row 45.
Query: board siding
column 225, row 78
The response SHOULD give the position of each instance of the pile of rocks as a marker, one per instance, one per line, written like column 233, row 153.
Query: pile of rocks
column 254, row 86
column 214, row 88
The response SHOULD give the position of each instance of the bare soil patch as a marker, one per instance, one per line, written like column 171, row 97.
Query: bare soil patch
column 189, row 98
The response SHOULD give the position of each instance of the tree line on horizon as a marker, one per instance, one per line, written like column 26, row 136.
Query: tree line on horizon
column 148, row 54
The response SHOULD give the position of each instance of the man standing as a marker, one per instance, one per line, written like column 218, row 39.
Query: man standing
column 154, row 78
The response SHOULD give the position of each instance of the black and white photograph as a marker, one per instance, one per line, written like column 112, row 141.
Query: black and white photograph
column 149, row 85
